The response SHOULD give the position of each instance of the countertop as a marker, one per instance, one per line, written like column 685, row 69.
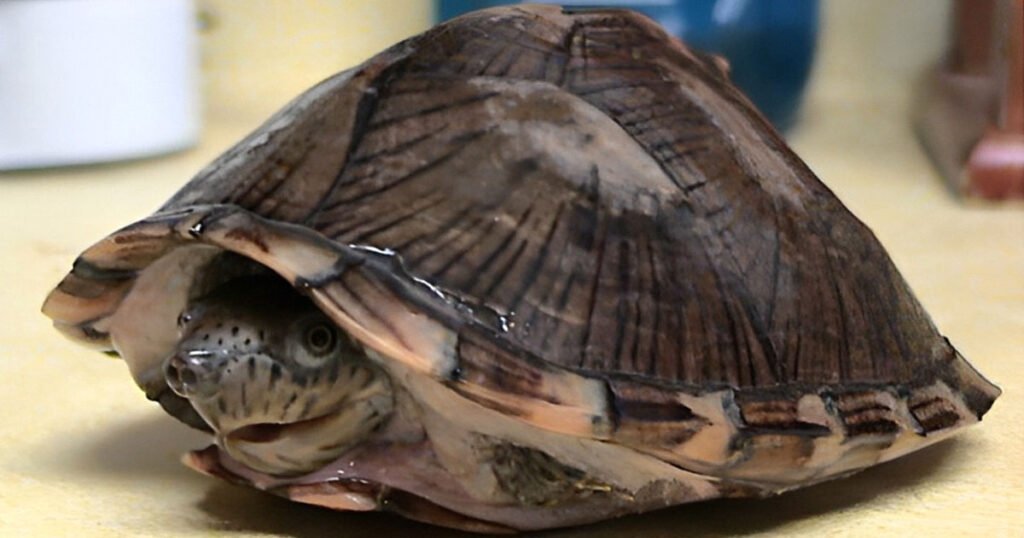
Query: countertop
column 84, row 454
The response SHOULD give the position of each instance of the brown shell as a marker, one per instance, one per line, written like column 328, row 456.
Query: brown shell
column 574, row 219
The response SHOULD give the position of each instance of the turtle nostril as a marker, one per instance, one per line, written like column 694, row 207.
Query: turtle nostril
column 180, row 378
column 190, row 374
column 172, row 374
column 187, row 377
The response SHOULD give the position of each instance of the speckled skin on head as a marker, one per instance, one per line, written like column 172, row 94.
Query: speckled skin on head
column 255, row 356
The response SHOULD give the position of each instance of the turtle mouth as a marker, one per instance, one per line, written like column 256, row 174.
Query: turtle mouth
column 180, row 408
column 292, row 448
column 269, row 432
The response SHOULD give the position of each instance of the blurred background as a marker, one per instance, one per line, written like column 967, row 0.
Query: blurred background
column 108, row 106
column 91, row 68
column 86, row 81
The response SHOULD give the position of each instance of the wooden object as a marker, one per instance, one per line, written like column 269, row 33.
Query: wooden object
column 972, row 114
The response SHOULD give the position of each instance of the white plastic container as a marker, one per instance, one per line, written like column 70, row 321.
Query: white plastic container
column 84, row 81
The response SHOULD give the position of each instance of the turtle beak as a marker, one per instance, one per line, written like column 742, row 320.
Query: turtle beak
column 181, row 409
column 192, row 374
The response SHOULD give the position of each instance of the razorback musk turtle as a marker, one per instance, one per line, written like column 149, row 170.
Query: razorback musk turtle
column 531, row 268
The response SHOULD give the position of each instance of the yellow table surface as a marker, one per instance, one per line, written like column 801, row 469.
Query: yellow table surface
column 82, row 453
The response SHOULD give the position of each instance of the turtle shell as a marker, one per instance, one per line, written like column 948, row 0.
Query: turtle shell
column 574, row 220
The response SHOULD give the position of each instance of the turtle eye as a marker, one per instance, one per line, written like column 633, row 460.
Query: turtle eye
column 321, row 339
column 184, row 318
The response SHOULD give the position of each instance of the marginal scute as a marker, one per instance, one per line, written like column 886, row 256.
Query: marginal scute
column 649, row 416
column 935, row 414
column 88, row 299
column 868, row 412
column 938, row 407
column 531, row 389
column 780, row 415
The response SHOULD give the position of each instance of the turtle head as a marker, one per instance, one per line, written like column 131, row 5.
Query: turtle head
column 283, row 388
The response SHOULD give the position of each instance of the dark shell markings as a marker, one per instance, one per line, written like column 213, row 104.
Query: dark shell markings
column 529, row 269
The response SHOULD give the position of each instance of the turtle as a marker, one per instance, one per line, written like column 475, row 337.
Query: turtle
column 534, row 267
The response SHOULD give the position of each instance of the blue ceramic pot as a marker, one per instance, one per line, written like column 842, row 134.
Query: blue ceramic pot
column 769, row 44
